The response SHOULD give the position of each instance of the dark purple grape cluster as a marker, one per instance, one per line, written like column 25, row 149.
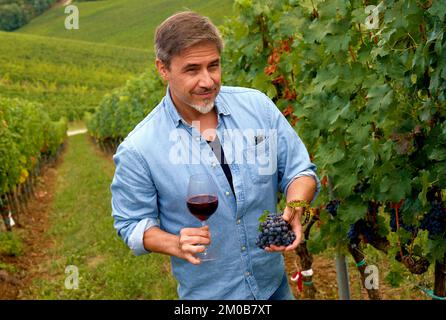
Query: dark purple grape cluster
column 361, row 228
column 353, row 235
column 275, row 231
column 393, row 225
column 362, row 186
column 367, row 231
column 434, row 221
column 332, row 207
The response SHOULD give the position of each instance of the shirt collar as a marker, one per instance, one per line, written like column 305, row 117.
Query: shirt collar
column 220, row 105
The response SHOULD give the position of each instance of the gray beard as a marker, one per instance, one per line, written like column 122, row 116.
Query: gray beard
column 204, row 109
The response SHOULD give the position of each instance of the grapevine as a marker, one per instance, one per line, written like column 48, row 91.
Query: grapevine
column 369, row 104
column 28, row 141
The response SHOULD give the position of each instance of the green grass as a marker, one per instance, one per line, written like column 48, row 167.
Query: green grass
column 67, row 76
column 83, row 233
column 11, row 244
column 128, row 23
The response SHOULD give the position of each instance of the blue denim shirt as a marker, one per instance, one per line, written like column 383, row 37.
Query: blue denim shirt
column 149, row 188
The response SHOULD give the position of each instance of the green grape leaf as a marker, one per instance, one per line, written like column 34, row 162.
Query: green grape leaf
column 394, row 278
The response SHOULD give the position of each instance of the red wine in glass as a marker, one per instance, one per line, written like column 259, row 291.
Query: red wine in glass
column 202, row 206
column 202, row 202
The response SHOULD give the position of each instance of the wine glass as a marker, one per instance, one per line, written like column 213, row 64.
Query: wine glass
column 202, row 202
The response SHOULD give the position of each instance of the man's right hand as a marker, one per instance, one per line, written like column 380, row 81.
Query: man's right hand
column 193, row 241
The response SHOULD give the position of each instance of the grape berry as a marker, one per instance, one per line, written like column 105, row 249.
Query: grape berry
column 275, row 231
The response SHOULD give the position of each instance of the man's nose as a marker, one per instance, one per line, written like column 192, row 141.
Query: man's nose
column 206, row 80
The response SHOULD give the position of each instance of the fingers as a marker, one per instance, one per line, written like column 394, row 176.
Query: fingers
column 294, row 245
column 194, row 236
column 273, row 248
column 189, row 252
column 297, row 229
column 193, row 241
column 202, row 231
column 192, row 259
column 298, row 232
column 289, row 214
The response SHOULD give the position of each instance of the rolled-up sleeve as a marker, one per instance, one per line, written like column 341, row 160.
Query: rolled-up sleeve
column 134, row 198
column 293, row 160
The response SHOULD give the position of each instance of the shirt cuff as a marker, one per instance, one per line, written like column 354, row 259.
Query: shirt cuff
column 308, row 173
column 136, row 239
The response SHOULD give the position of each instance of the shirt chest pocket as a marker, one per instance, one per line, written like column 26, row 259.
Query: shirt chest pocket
column 257, row 160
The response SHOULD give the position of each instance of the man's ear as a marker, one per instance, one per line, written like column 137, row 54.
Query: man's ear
column 162, row 69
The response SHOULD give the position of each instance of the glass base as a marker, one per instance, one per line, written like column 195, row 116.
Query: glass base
column 206, row 256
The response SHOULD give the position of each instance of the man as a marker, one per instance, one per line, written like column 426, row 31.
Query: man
column 232, row 133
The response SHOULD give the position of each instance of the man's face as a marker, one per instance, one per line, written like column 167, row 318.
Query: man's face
column 194, row 77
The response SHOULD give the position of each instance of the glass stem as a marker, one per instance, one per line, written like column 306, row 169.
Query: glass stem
column 205, row 252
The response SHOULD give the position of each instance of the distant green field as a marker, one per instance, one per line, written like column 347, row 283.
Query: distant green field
column 128, row 23
column 67, row 76
column 70, row 71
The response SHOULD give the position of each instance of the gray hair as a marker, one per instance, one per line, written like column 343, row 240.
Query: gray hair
column 181, row 31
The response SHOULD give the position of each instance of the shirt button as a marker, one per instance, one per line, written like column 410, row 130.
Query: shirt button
column 247, row 273
column 243, row 248
column 227, row 193
column 238, row 221
column 197, row 138
column 213, row 164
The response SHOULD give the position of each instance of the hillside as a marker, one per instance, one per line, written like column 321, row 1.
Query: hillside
column 70, row 71
column 128, row 23
column 67, row 76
